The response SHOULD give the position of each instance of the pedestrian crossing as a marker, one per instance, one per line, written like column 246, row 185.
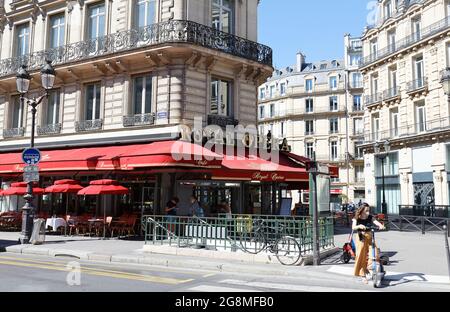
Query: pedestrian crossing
column 234, row 286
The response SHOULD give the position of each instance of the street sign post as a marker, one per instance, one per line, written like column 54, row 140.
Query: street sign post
column 31, row 156
column 30, row 177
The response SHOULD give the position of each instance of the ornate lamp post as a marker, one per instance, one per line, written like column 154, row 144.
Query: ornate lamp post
column 445, row 81
column 382, row 156
column 23, row 79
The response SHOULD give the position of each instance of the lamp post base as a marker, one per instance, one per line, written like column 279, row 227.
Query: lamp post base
column 27, row 224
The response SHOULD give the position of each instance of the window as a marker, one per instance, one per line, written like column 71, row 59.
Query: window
column 333, row 104
column 374, row 84
column 333, row 150
column 416, row 28
column 390, row 165
column 359, row 154
column 448, row 54
column 262, row 112
column 272, row 110
column 272, row 91
column 355, row 59
column 262, row 93
column 57, row 30
column 358, row 126
column 359, row 174
column 357, row 102
column 309, row 105
column 391, row 41
column 145, row 12
column 393, row 78
column 421, row 117
column 17, row 113
column 387, row 9
column 333, row 83
column 96, row 21
column 261, row 130
column 448, row 8
column 357, row 80
column 223, row 15
column 309, row 127
column 283, row 88
column 283, row 129
column 309, row 85
column 418, row 71
column 376, row 127
column 92, row 109
column 23, row 39
column 221, row 97
column 394, row 123
column 53, row 104
column 374, row 48
column 334, row 125
column 142, row 95
column 309, row 150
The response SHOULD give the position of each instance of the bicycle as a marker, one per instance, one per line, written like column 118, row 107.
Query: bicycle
column 263, row 237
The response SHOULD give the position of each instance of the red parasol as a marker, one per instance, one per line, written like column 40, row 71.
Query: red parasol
column 104, row 187
column 64, row 187
column 20, row 188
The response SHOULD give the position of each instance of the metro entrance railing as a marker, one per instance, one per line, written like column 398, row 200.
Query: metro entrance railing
column 225, row 233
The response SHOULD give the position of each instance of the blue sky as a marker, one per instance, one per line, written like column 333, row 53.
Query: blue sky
column 315, row 27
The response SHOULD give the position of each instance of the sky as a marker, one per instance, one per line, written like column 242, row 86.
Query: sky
column 315, row 27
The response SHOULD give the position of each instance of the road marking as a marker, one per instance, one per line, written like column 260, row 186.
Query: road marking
column 104, row 273
column 209, row 275
column 397, row 276
column 208, row 288
column 288, row 287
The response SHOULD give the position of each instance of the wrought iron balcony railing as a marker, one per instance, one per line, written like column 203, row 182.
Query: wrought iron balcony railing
column 374, row 98
column 424, row 33
column 139, row 120
column 391, row 93
column 88, row 125
column 417, row 84
column 222, row 121
column 173, row 31
column 429, row 126
column 49, row 129
column 13, row 132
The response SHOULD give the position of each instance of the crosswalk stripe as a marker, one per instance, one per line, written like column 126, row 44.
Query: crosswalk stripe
column 397, row 276
column 287, row 287
column 208, row 288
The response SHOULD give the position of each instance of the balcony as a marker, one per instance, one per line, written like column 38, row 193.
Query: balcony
column 173, row 31
column 309, row 132
column 49, row 129
column 391, row 94
column 373, row 99
column 13, row 133
column 417, row 85
column 88, row 125
column 358, row 108
column 411, row 130
column 356, row 85
column 408, row 41
column 222, row 121
column 139, row 120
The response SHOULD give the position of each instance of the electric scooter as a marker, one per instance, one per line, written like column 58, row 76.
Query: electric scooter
column 378, row 272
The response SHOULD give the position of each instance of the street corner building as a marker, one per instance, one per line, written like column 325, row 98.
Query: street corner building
column 131, row 75
column 407, row 123
column 317, row 107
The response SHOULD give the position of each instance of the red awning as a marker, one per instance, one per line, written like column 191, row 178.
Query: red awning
column 255, row 168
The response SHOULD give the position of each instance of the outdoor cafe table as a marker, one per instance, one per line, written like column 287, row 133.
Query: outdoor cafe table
column 55, row 223
column 95, row 223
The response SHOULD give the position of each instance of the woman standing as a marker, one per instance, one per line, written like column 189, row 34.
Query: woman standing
column 362, row 220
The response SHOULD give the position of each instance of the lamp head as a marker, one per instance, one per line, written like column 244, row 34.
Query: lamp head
column 48, row 75
column 23, row 79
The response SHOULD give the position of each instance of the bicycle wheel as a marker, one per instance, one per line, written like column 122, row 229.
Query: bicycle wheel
column 287, row 251
column 252, row 243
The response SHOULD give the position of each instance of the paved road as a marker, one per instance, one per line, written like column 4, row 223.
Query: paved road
column 36, row 273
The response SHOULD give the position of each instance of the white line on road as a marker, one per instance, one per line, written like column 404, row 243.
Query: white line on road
column 208, row 288
column 397, row 276
column 288, row 287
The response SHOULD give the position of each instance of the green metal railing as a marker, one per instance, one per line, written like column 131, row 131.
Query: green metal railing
column 229, row 232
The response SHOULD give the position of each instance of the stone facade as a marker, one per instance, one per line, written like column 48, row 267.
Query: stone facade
column 181, row 50
column 406, row 107
column 301, row 95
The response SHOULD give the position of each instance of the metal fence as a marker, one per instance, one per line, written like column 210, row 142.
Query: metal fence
column 230, row 232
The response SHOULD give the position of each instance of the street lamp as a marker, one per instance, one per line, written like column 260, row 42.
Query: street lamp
column 445, row 81
column 23, row 79
column 382, row 157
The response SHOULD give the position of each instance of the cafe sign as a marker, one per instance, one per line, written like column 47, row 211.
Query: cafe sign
column 259, row 176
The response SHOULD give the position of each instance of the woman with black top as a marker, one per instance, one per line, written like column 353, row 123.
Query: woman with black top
column 362, row 220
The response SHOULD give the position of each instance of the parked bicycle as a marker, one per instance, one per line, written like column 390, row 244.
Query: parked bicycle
column 262, row 237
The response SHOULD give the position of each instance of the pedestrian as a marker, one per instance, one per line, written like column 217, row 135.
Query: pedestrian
column 226, row 210
column 171, row 212
column 362, row 220
column 196, row 209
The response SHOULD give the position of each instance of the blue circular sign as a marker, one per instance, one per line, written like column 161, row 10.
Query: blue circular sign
column 31, row 156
